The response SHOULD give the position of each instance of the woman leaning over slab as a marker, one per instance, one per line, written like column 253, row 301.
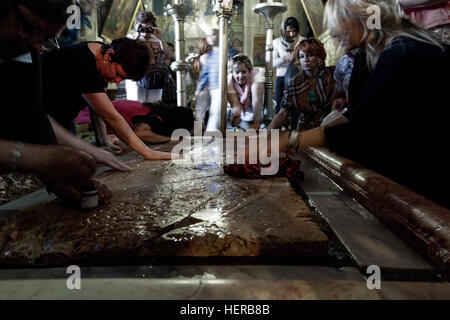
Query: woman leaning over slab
column 397, row 117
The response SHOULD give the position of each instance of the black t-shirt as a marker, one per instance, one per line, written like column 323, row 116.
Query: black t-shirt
column 22, row 116
column 399, row 117
column 68, row 73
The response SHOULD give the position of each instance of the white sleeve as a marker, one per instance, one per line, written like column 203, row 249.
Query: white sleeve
column 277, row 58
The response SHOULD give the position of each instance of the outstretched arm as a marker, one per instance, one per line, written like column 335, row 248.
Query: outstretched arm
column 279, row 119
column 66, row 138
column 105, row 110
column 50, row 163
column 257, row 99
column 236, row 108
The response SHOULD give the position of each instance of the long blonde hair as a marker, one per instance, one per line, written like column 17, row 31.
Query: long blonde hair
column 339, row 14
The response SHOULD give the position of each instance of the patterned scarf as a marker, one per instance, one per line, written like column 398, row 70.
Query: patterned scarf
column 299, row 93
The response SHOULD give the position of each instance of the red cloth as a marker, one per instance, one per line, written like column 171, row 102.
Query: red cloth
column 288, row 167
column 127, row 108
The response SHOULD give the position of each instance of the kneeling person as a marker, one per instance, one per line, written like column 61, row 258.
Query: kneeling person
column 161, row 122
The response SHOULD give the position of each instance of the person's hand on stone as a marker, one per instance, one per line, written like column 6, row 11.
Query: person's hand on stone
column 256, row 126
column 104, row 194
column 108, row 159
column 235, row 118
column 57, row 164
column 159, row 155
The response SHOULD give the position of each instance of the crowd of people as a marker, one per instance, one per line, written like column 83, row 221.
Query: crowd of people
column 388, row 93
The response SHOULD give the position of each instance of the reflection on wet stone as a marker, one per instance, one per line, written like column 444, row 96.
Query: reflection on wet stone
column 168, row 209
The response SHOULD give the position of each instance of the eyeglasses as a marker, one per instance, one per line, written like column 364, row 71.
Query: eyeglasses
column 142, row 29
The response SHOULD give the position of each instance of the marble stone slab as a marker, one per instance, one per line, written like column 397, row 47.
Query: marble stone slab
column 167, row 209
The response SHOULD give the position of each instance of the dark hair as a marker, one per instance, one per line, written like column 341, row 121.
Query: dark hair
column 133, row 55
column 52, row 10
column 291, row 21
column 176, row 117
column 242, row 58
column 145, row 17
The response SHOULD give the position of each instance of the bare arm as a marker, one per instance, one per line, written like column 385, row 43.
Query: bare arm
column 310, row 138
column 105, row 110
column 257, row 99
column 144, row 131
column 54, row 164
column 66, row 138
column 279, row 119
column 101, row 133
column 236, row 108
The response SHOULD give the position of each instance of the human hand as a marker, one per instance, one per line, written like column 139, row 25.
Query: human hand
column 235, row 118
column 256, row 125
column 158, row 155
column 113, row 147
column 108, row 159
column 104, row 194
column 58, row 164
column 254, row 147
column 72, row 195
column 339, row 104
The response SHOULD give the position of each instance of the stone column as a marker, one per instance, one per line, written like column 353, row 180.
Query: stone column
column 179, row 11
column 269, row 10
column 224, row 10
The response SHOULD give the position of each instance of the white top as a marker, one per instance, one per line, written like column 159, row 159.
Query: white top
column 279, row 51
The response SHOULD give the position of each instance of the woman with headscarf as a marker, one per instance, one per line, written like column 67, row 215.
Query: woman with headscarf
column 283, row 49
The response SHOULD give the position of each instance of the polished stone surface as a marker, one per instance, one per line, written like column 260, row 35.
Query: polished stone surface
column 367, row 239
column 424, row 224
column 168, row 209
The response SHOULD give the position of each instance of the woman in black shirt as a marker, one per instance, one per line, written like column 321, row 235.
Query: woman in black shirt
column 79, row 74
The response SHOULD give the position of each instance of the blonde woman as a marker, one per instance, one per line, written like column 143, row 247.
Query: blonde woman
column 397, row 98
